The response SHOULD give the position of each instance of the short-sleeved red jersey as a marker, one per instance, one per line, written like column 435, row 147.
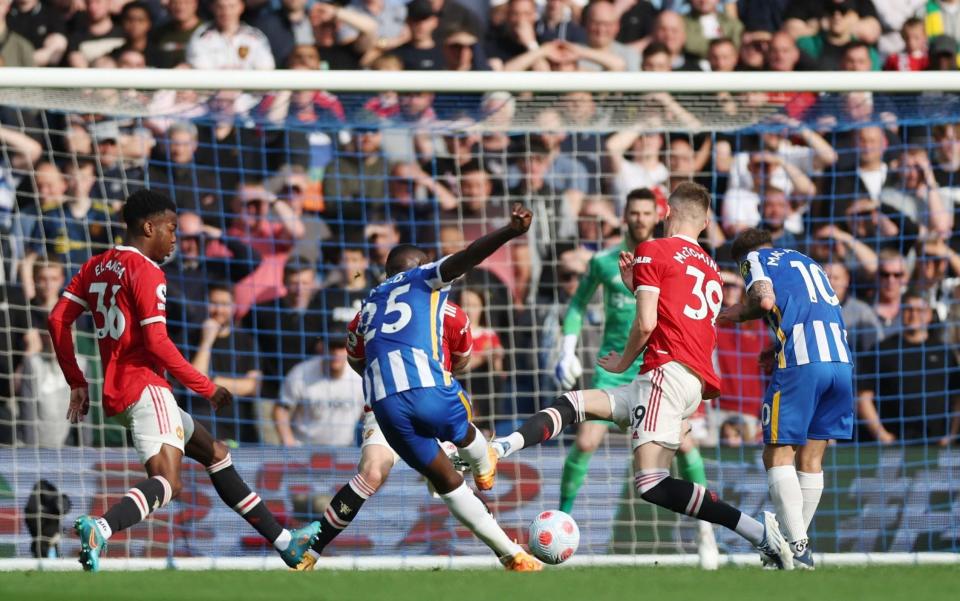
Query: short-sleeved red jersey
column 457, row 336
column 126, row 293
column 691, row 293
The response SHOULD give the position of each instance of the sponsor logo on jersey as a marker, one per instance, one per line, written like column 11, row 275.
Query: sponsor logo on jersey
column 243, row 51
column 180, row 432
column 642, row 260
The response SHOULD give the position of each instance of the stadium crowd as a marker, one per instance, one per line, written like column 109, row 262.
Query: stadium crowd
column 289, row 202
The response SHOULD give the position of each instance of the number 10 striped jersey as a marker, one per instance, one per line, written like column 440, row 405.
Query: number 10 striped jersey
column 401, row 324
column 807, row 318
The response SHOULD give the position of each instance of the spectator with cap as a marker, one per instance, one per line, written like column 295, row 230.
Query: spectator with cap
column 42, row 27
column 462, row 52
column 943, row 53
column 119, row 160
column 827, row 49
column 15, row 50
column 168, row 42
column 422, row 52
column 636, row 23
column 705, row 22
column 321, row 400
column 97, row 36
column 226, row 42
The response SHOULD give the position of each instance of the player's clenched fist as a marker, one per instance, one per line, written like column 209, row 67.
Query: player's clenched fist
column 221, row 398
column 520, row 218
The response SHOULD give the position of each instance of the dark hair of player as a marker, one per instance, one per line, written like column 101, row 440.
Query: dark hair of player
column 142, row 205
column 690, row 201
column 638, row 194
column 748, row 241
column 403, row 257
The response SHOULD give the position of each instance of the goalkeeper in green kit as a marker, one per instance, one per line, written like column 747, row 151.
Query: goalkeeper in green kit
column 619, row 308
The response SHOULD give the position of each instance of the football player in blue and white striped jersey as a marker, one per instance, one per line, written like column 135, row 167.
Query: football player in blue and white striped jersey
column 810, row 397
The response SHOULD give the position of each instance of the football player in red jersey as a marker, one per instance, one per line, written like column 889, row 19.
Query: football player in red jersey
column 376, row 456
column 679, row 294
column 125, row 290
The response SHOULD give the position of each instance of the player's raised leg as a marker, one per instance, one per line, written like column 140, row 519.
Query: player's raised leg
column 572, row 407
column 575, row 467
column 215, row 457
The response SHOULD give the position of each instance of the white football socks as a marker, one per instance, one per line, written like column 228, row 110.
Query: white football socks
column 472, row 513
column 788, row 500
column 283, row 541
column 105, row 531
column 750, row 529
column 475, row 454
column 811, row 486
column 514, row 442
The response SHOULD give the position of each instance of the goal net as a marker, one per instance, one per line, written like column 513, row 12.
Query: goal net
column 293, row 186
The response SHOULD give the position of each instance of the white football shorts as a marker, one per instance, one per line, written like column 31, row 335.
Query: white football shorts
column 156, row 420
column 653, row 406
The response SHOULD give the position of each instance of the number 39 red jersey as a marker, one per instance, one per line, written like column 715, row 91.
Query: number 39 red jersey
column 691, row 293
column 126, row 293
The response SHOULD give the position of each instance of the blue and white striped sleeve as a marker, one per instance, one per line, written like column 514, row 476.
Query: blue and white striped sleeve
column 431, row 274
column 752, row 270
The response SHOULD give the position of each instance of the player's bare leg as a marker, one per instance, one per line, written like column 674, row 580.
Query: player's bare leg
column 786, row 491
column 589, row 437
column 473, row 513
column 375, row 464
column 482, row 459
column 215, row 457
column 691, row 468
column 140, row 501
column 653, row 481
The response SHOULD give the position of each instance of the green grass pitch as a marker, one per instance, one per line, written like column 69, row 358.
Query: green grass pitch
column 913, row 583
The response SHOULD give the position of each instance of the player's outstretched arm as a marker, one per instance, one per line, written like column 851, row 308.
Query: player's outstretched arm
column 644, row 324
column 461, row 262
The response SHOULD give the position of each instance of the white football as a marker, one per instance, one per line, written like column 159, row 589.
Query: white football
column 554, row 537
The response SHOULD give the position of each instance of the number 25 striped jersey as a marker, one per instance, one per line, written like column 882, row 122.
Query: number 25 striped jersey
column 806, row 318
column 401, row 324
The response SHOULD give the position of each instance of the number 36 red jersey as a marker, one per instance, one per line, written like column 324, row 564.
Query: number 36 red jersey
column 691, row 293
column 126, row 293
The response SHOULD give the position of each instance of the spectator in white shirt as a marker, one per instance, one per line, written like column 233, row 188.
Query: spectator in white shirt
column 226, row 43
column 320, row 406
